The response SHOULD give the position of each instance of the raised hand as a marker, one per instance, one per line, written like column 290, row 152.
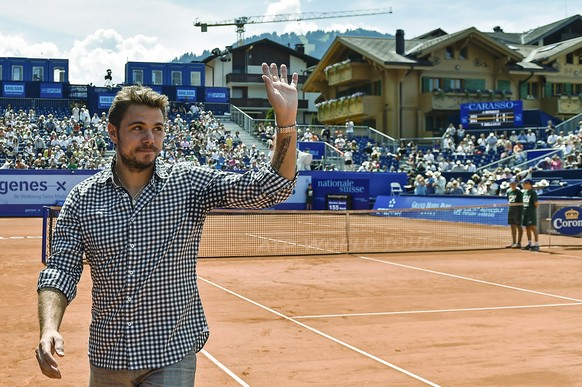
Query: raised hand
column 281, row 94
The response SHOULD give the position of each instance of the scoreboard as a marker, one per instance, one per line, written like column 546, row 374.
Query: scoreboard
column 338, row 202
column 494, row 114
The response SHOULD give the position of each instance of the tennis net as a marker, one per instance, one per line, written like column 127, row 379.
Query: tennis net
column 250, row 233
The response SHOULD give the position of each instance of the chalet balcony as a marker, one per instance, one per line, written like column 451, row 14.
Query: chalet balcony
column 252, row 78
column 346, row 73
column 568, row 104
column 451, row 99
column 261, row 103
column 337, row 111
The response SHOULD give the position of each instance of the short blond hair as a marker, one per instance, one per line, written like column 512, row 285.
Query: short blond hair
column 136, row 95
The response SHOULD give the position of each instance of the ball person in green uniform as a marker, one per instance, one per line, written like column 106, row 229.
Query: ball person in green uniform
column 515, row 214
column 530, row 219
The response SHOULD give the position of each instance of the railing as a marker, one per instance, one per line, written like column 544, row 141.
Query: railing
column 513, row 161
column 570, row 125
column 242, row 119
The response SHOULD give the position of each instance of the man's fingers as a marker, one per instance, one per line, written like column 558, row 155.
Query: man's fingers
column 59, row 346
column 48, row 364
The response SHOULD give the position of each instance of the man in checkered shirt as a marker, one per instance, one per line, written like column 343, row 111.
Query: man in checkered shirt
column 139, row 223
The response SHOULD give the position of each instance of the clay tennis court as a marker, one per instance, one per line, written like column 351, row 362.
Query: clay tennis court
column 457, row 318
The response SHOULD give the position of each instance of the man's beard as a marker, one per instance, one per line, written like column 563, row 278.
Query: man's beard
column 133, row 163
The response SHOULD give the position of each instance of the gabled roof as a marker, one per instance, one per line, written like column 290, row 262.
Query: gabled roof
column 534, row 36
column 432, row 34
column 541, row 58
column 380, row 50
column 425, row 47
column 309, row 60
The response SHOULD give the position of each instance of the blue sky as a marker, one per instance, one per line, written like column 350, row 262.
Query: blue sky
column 96, row 35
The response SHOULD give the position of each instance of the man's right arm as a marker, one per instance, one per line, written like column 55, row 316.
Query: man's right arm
column 51, row 308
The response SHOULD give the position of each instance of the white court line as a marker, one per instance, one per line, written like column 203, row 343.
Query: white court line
column 436, row 311
column 316, row 331
column 224, row 368
column 20, row 237
column 469, row 279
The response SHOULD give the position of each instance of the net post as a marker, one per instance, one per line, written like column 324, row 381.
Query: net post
column 550, row 213
column 45, row 216
column 348, row 231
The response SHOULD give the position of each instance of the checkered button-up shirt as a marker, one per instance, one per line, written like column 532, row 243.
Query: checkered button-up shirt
column 146, row 310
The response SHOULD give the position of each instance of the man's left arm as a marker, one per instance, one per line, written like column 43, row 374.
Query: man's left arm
column 283, row 97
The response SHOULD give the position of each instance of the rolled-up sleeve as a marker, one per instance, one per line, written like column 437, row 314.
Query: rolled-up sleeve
column 253, row 189
column 65, row 263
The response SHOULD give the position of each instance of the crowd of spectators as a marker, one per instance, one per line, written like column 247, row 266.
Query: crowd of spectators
column 454, row 154
column 76, row 139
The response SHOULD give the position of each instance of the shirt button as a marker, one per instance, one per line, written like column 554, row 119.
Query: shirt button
column 132, row 245
column 129, row 324
column 128, row 299
column 130, row 272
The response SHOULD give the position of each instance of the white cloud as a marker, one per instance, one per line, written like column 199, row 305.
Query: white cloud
column 17, row 46
column 107, row 49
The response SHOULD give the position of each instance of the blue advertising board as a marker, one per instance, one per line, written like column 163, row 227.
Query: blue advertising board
column 13, row 89
column 217, row 94
column 186, row 94
column 104, row 101
column 316, row 148
column 24, row 193
column 325, row 183
column 568, row 221
column 435, row 208
column 51, row 90
column 492, row 114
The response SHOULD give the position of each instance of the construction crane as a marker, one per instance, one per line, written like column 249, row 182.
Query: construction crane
column 240, row 22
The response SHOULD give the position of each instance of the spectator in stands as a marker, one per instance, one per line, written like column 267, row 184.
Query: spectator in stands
column 419, row 185
column 556, row 163
column 448, row 144
column 451, row 131
column 349, row 130
column 491, row 143
column 551, row 139
column 531, row 139
column 456, row 188
column 460, row 133
column 304, row 160
column 544, row 164
column 440, row 183
column 550, row 128
column 348, row 156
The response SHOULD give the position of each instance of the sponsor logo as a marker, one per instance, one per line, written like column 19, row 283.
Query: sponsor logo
column 343, row 186
column 567, row 221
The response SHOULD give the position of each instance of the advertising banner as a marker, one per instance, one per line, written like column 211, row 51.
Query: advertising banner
column 13, row 89
column 568, row 221
column 217, row 94
column 435, row 208
column 186, row 94
column 24, row 193
column 105, row 100
column 316, row 148
column 359, row 189
column 51, row 90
